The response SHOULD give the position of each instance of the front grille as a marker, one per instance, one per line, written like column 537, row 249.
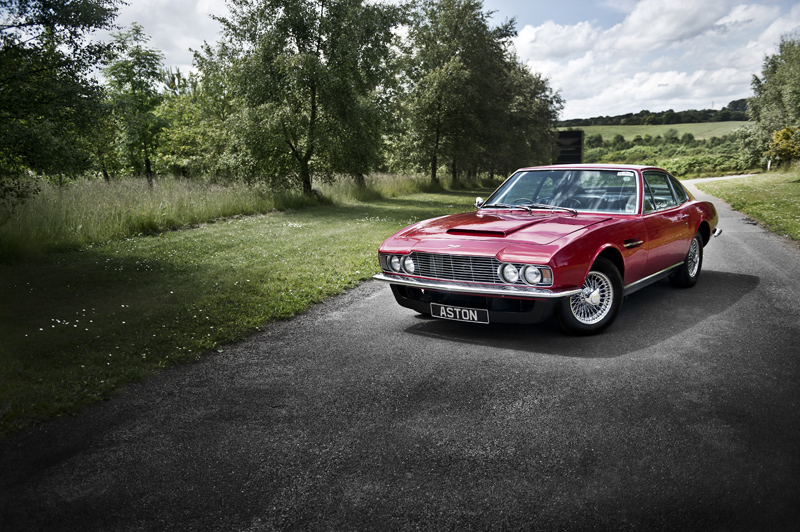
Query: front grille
column 457, row 267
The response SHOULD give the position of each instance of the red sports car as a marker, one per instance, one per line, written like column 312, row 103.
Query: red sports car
column 573, row 240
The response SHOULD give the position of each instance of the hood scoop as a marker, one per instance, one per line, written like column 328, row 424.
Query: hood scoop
column 491, row 228
column 475, row 232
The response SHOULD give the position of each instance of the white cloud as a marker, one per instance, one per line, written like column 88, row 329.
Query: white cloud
column 666, row 54
column 175, row 26
column 790, row 23
column 556, row 41
column 658, row 23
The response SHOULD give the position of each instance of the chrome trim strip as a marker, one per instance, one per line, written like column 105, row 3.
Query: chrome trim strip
column 717, row 231
column 649, row 277
column 634, row 244
column 523, row 292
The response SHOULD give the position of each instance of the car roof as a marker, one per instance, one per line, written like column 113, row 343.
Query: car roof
column 593, row 166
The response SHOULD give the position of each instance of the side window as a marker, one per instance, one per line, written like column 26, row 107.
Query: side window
column 680, row 192
column 660, row 192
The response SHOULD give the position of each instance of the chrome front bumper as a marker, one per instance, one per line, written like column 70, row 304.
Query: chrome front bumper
column 520, row 292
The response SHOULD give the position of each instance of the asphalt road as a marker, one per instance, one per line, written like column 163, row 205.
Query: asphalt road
column 361, row 415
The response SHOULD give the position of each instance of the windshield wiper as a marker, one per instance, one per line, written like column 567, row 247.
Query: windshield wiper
column 530, row 206
column 508, row 206
column 551, row 207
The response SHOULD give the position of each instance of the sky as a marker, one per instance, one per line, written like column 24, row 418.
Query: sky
column 605, row 57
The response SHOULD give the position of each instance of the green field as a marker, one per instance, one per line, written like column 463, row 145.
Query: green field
column 772, row 199
column 77, row 325
column 700, row 131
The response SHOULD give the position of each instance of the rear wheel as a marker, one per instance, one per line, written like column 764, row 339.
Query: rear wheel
column 687, row 274
column 597, row 305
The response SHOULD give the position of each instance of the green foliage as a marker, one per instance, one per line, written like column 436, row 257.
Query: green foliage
column 48, row 99
column 470, row 102
column 776, row 102
column 134, row 72
column 682, row 154
column 785, row 146
column 306, row 76
column 193, row 143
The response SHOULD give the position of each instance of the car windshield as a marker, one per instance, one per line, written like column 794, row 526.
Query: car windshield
column 607, row 191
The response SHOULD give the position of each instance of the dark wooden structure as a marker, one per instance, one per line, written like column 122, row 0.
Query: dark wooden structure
column 570, row 147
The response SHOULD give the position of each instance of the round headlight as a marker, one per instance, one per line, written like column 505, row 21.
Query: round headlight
column 509, row 273
column 408, row 264
column 532, row 275
column 394, row 263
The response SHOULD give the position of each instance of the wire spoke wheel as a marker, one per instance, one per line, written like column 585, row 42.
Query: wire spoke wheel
column 596, row 306
column 688, row 273
column 595, row 300
column 693, row 258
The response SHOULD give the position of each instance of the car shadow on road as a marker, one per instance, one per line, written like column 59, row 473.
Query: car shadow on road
column 647, row 317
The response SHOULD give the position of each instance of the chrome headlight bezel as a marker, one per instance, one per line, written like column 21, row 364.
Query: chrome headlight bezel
column 409, row 266
column 394, row 263
column 508, row 273
column 528, row 274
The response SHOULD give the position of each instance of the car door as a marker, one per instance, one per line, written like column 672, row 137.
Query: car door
column 666, row 223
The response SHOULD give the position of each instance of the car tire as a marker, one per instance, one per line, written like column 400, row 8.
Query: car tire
column 597, row 306
column 687, row 274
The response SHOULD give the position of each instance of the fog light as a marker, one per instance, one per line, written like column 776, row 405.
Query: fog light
column 408, row 265
column 509, row 273
column 394, row 263
column 532, row 275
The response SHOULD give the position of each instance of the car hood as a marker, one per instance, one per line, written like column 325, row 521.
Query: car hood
column 510, row 226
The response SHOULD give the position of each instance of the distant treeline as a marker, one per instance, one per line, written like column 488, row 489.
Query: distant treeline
column 734, row 111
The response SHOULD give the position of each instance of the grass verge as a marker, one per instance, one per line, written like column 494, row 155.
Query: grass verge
column 772, row 199
column 77, row 325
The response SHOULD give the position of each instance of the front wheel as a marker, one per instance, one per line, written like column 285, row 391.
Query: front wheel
column 597, row 305
column 687, row 274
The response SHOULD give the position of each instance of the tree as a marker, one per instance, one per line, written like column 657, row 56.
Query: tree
column 785, row 146
column 306, row 75
column 524, row 132
column 594, row 140
column 48, row 99
column 455, row 71
column 469, row 101
column 134, row 73
column 776, row 100
column 775, row 105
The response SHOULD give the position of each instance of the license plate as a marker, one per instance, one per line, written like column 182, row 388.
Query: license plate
column 472, row 315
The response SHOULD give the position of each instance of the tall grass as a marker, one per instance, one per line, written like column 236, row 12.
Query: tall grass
column 87, row 213
column 379, row 186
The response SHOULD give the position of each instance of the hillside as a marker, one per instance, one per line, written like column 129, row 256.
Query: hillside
column 701, row 131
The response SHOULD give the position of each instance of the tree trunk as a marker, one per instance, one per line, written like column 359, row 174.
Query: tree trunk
column 305, row 177
column 435, row 156
column 148, row 171
column 360, row 181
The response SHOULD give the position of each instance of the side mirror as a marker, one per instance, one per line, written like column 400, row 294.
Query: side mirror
column 478, row 202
